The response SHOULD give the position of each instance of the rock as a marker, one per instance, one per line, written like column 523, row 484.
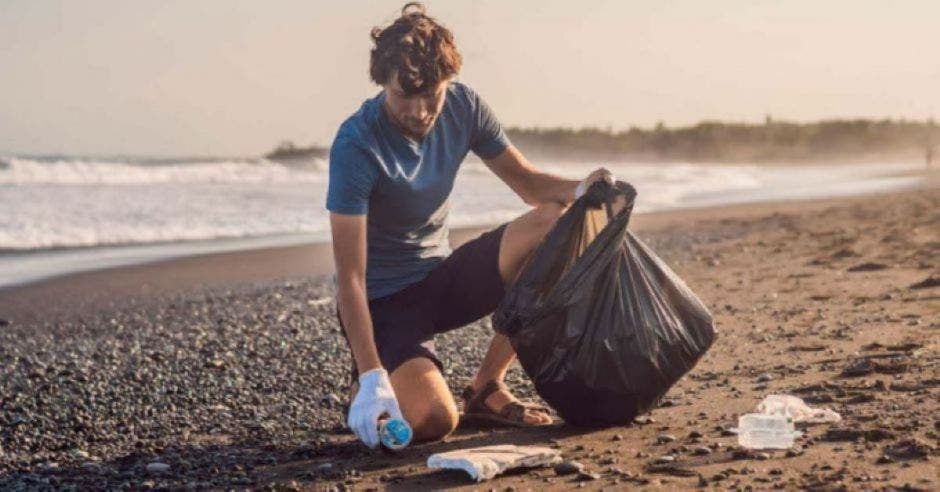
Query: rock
column 853, row 434
column 665, row 438
column 587, row 476
column 664, row 460
column 617, row 437
column 868, row 267
column 695, row 435
column 4, row 322
column 794, row 452
column 324, row 467
column 762, row 456
column 568, row 468
column 763, row 378
column 858, row 368
column 157, row 467
column 78, row 454
column 701, row 450
column 644, row 419
column 931, row 281
column 908, row 449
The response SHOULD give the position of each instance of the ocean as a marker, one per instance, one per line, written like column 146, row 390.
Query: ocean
column 60, row 214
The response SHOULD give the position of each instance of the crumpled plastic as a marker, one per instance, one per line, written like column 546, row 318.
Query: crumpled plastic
column 486, row 462
column 599, row 322
column 797, row 410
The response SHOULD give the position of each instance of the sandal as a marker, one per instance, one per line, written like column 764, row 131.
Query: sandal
column 512, row 413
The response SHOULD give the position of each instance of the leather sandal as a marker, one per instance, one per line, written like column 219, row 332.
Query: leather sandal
column 512, row 413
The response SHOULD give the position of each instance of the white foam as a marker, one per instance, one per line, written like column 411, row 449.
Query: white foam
column 21, row 170
column 67, row 203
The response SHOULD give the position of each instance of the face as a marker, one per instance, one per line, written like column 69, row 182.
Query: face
column 414, row 114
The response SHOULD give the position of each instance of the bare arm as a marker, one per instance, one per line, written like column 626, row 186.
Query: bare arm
column 349, row 254
column 536, row 187
column 531, row 184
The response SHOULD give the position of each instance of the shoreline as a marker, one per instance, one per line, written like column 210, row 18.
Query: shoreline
column 138, row 284
column 23, row 266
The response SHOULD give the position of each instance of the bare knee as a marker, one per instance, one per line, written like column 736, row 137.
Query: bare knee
column 546, row 215
column 436, row 422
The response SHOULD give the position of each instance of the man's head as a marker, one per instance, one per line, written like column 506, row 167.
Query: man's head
column 413, row 60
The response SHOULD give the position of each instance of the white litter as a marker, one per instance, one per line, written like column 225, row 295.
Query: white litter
column 759, row 431
column 772, row 427
column 486, row 462
column 797, row 409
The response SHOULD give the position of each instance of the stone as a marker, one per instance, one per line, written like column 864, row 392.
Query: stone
column 568, row 468
column 701, row 450
column 664, row 460
column 157, row 467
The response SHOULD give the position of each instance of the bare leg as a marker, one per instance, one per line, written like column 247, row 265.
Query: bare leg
column 424, row 399
column 520, row 239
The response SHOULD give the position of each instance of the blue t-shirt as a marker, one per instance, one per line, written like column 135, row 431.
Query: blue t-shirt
column 404, row 186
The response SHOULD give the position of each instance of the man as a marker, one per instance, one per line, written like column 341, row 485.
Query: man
column 392, row 168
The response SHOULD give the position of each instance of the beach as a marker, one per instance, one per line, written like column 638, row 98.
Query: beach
column 228, row 370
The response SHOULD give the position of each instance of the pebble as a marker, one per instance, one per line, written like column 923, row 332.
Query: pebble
column 763, row 378
column 762, row 456
column 665, row 438
column 157, row 467
column 662, row 460
column 587, row 476
column 568, row 468
column 701, row 450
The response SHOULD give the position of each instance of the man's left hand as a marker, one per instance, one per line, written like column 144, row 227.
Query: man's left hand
column 596, row 175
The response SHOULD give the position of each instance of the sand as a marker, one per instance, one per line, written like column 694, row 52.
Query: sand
column 836, row 301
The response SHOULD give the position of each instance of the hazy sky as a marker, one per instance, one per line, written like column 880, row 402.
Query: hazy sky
column 228, row 77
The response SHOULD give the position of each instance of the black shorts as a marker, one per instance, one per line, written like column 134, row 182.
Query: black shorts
column 463, row 288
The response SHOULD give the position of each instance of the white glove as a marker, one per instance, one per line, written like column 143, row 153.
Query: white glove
column 597, row 175
column 374, row 399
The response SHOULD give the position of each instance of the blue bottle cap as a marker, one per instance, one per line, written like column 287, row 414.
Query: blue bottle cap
column 395, row 433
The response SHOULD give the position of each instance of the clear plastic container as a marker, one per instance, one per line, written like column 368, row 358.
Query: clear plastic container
column 760, row 431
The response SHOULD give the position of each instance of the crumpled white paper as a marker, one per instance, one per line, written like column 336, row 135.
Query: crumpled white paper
column 797, row 410
column 486, row 462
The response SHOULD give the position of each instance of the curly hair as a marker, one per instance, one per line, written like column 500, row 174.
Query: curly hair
column 422, row 51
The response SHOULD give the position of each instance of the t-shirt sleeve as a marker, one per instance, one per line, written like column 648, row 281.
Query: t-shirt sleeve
column 488, row 138
column 353, row 175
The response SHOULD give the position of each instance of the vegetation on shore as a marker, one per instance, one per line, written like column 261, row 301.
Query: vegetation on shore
column 715, row 141
column 712, row 141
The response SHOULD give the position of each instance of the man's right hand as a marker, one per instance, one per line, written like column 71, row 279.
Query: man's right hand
column 374, row 399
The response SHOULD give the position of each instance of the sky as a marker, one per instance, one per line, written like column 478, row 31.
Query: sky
column 234, row 77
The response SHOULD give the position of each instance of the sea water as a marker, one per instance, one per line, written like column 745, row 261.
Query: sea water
column 78, row 210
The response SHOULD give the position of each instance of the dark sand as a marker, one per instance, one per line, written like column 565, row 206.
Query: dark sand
column 230, row 368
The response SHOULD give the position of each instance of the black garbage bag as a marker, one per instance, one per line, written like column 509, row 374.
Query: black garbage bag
column 602, row 326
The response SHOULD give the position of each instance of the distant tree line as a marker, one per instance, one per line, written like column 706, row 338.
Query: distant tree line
column 712, row 141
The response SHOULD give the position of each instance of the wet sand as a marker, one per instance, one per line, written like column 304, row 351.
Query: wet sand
column 230, row 368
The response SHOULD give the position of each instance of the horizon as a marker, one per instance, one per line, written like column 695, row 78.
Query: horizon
column 216, row 78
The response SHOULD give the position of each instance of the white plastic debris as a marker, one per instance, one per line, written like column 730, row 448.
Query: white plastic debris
column 759, row 431
column 486, row 462
column 797, row 409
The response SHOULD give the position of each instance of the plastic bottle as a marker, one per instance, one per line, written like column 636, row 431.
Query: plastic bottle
column 760, row 431
column 395, row 434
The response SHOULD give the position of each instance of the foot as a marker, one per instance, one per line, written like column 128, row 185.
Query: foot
column 497, row 400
